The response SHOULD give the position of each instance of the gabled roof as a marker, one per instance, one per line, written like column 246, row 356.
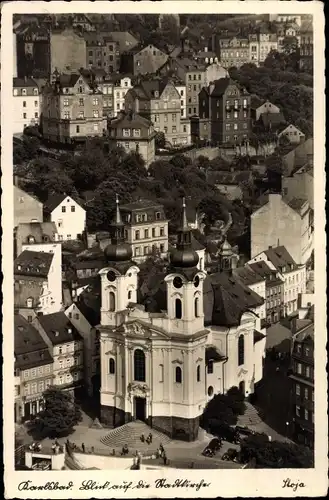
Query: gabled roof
column 280, row 258
column 58, row 328
column 127, row 120
column 55, row 200
column 29, row 347
column 39, row 230
column 24, row 83
column 124, row 39
column 35, row 264
column 247, row 276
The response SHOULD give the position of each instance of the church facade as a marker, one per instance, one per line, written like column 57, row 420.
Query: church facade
column 165, row 355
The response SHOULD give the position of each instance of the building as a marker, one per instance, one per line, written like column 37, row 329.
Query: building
column 32, row 51
column 146, row 228
column 292, row 133
column 26, row 208
column 72, row 110
column 83, row 22
column 267, row 42
column 289, row 224
column 302, row 394
column 164, row 355
column 286, row 18
column 38, row 278
column 266, row 108
column 299, row 156
column 306, row 46
column 234, row 52
column 84, row 315
column 68, row 51
column 284, row 269
column 141, row 60
column 299, row 184
column 134, row 133
column 205, row 56
column 102, row 52
column 68, row 216
column 33, row 369
column 181, row 89
column 121, row 87
column 125, row 40
column 288, row 31
column 159, row 101
column 66, row 347
column 33, row 232
column 26, row 104
column 253, row 48
column 105, row 85
column 224, row 111
column 274, row 289
column 257, row 283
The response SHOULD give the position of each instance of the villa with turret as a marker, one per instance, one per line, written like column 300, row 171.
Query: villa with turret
column 166, row 354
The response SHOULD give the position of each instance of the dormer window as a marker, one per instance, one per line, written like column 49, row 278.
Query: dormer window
column 23, row 91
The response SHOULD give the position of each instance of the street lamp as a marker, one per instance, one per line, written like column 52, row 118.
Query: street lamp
column 287, row 428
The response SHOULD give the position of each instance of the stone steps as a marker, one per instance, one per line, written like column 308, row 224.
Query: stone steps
column 251, row 416
column 130, row 434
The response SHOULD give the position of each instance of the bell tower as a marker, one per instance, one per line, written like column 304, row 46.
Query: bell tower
column 185, row 284
column 119, row 278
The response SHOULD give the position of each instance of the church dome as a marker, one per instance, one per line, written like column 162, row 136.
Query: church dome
column 118, row 253
column 184, row 258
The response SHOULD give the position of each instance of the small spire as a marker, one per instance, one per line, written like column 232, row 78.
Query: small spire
column 184, row 218
column 117, row 213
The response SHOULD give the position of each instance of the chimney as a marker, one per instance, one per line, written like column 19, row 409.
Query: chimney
column 269, row 247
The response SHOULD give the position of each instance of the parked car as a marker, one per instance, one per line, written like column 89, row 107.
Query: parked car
column 245, row 431
column 231, row 455
column 213, row 446
column 228, row 434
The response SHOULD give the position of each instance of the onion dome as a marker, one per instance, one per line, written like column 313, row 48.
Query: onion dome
column 226, row 248
column 183, row 255
column 118, row 250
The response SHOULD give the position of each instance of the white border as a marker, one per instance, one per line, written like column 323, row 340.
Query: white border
column 224, row 483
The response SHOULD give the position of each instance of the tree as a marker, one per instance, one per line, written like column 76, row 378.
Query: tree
column 160, row 140
column 59, row 416
column 275, row 454
column 289, row 45
column 223, row 409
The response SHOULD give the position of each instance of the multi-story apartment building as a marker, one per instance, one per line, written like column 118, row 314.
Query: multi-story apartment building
column 253, row 48
column 302, row 395
column 68, row 215
column 33, row 369
column 26, row 104
column 68, row 51
column 33, row 232
column 267, row 42
column 181, row 89
column 26, row 208
column 134, row 133
column 32, row 51
column 146, row 228
column 102, row 52
column 66, row 347
column 274, row 288
column 225, row 110
column 289, row 223
column 306, row 46
column 287, row 30
column 159, row 101
column 72, row 110
column 141, row 60
column 234, row 52
column 285, row 269
column 121, row 87
column 105, row 84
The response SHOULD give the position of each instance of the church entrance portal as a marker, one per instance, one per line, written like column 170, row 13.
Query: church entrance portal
column 140, row 409
column 242, row 387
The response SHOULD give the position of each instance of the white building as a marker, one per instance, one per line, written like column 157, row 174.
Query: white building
column 51, row 300
column 293, row 275
column 293, row 134
column 257, row 284
column 119, row 93
column 163, row 355
column 66, row 347
column 26, row 104
column 68, row 215
column 181, row 89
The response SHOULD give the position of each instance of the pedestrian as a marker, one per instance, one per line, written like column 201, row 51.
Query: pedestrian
column 83, row 448
column 150, row 437
column 164, row 458
column 142, row 438
column 92, row 449
column 113, row 452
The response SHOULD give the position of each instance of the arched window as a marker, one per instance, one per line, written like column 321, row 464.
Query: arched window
column 241, row 350
column 111, row 366
column 139, row 365
column 129, row 294
column 196, row 307
column 198, row 374
column 210, row 366
column 201, row 264
column 178, row 375
column 112, row 301
column 210, row 391
column 178, row 309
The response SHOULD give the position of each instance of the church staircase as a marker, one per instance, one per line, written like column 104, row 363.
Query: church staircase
column 252, row 416
column 130, row 434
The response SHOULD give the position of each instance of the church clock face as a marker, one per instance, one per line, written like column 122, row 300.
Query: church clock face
column 111, row 276
column 178, row 283
column 196, row 281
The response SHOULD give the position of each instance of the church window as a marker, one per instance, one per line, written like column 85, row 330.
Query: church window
column 178, row 283
column 161, row 373
column 196, row 307
column 129, row 294
column 178, row 309
column 139, row 365
column 178, row 375
column 210, row 366
column 198, row 374
column 112, row 302
column 241, row 350
column 210, row 391
column 111, row 366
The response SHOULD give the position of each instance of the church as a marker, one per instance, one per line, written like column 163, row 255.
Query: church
column 166, row 354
